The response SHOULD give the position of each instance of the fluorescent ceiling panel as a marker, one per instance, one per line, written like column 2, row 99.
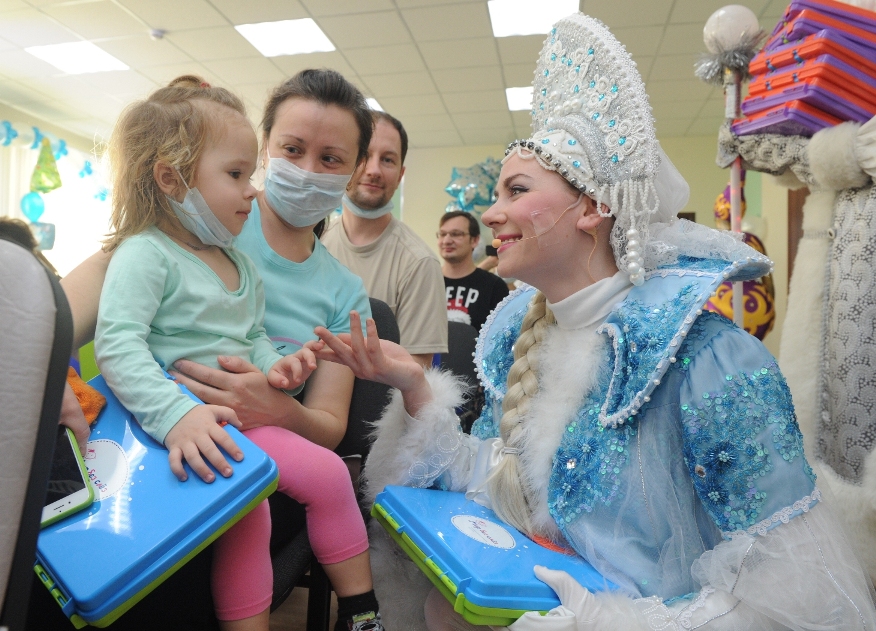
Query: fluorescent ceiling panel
column 527, row 17
column 77, row 57
column 286, row 37
column 374, row 105
column 519, row 98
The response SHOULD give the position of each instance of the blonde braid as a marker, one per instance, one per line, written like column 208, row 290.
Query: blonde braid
column 507, row 490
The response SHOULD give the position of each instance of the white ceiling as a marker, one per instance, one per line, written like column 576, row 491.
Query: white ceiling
column 432, row 63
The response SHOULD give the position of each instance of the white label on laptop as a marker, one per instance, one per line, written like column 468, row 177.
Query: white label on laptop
column 484, row 531
column 107, row 467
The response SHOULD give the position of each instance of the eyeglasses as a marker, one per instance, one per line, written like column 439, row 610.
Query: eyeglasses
column 454, row 234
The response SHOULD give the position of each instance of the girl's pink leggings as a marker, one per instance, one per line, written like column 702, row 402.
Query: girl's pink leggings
column 242, row 579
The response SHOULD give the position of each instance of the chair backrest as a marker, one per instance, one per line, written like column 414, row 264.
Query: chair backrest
column 369, row 398
column 36, row 339
column 459, row 358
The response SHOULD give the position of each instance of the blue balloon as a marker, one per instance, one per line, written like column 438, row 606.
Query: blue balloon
column 32, row 205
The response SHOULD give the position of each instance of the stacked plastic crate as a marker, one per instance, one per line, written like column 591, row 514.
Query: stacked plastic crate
column 817, row 69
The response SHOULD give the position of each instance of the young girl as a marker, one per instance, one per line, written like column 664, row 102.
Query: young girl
column 176, row 288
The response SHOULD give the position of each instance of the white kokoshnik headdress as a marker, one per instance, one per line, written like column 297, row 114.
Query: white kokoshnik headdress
column 592, row 123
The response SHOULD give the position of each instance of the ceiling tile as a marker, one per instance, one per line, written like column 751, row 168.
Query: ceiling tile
column 673, row 67
column 428, row 122
column 469, row 79
column 518, row 75
column 29, row 27
column 460, row 53
column 291, row 65
column 4, row 45
column 245, row 70
column 621, row 14
column 239, row 12
column 676, row 109
column 141, row 51
column 365, row 31
column 96, row 20
column 487, row 101
column 683, row 38
column 698, row 11
column 209, row 44
column 14, row 93
column 483, row 120
column 688, row 89
column 705, row 127
column 452, row 21
column 641, row 40
column 474, row 137
column 405, row 4
column 319, row 8
column 172, row 15
column 425, row 139
column 400, row 84
column 12, row 5
column 644, row 65
column 19, row 64
column 773, row 10
column 125, row 84
column 520, row 50
column 48, row 111
column 386, row 59
column 162, row 75
column 672, row 128
column 255, row 93
column 401, row 106
column 522, row 119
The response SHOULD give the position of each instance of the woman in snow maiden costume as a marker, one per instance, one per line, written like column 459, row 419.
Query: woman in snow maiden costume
column 655, row 440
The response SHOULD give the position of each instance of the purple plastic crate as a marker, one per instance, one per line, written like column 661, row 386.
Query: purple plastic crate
column 803, row 26
column 846, row 13
column 813, row 95
column 825, row 34
column 788, row 121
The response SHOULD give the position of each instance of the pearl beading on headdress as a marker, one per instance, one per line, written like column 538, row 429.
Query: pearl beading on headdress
column 592, row 123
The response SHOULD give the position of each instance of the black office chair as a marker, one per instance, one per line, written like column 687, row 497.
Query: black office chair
column 291, row 554
column 459, row 359
column 36, row 337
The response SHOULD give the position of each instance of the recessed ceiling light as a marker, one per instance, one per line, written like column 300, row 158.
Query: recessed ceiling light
column 286, row 37
column 77, row 57
column 519, row 98
column 525, row 17
column 374, row 105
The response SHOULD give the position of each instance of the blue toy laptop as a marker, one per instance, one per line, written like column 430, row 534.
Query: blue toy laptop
column 144, row 524
column 481, row 565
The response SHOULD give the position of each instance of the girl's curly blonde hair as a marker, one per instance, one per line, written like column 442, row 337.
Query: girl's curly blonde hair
column 173, row 126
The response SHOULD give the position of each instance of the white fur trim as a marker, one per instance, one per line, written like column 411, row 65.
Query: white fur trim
column 570, row 363
column 401, row 438
column 832, row 158
column 789, row 180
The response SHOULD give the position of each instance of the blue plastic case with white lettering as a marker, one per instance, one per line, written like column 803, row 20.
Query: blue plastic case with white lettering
column 481, row 565
column 144, row 524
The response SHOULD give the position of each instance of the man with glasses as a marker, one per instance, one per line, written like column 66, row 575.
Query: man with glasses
column 472, row 293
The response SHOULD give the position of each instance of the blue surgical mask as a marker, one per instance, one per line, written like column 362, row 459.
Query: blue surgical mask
column 368, row 214
column 196, row 217
column 302, row 198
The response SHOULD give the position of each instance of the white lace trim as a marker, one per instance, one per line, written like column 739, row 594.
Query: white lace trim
column 422, row 473
column 784, row 516
column 684, row 618
column 658, row 615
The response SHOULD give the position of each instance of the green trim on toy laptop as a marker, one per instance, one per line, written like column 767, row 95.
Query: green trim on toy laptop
column 114, row 615
column 476, row 614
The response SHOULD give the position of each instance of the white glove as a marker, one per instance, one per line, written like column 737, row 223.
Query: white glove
column 557, row 619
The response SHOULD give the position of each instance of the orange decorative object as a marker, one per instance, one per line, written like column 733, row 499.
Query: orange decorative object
column 90, row 400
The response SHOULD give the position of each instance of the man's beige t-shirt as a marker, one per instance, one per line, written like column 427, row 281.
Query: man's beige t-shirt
column 399, row 269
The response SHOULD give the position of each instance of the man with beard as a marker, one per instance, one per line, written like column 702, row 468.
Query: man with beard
column 395, row 264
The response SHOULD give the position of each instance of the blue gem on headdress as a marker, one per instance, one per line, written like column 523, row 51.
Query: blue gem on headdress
column 576, row 89
column 544, row 91
column 614, row 88
column 578, row 68
column 601, row 96
column 545, row 141
column 590, row 52
column 547, row 72
column 562, row 59
column 622, row 140
column 612, row 122
column 576, row 164
column 569, row 62
column 541, row 106
column 596, row 116
column 572, row 141
column 593, row 84
column 553, row 56
column 614, row 158
column 553, row 31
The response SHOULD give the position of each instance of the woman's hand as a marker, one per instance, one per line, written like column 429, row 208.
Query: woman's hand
column 240, row 386
column 376, row 360
column 198, row 432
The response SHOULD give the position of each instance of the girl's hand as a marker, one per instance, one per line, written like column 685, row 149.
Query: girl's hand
column 197, row 433
column 293, row 370
column 376, row 360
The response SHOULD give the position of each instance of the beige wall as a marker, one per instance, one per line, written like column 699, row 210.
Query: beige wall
column 428, row 172
column 73, row 140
